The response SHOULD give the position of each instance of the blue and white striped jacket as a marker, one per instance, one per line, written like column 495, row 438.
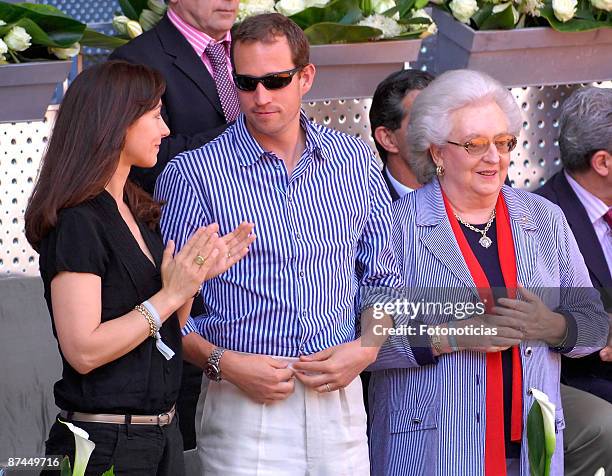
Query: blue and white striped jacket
column 430, row 419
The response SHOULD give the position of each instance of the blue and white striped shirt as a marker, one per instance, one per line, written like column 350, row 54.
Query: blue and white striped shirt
column 321, row 233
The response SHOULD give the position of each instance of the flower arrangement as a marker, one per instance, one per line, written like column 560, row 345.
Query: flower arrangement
column 323, row 21
column 562, row 15
column 31, row 32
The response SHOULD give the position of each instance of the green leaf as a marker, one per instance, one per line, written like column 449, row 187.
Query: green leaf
column 132, row 8
column 482, row 14
column 366, row 7
column 333, row 12
column 96, row 39
column 47, row 25
column 65, row 467
column 420, row 4
column 575, row 24
column 57, row 38
column 326, row 32
column 415, row 21
column 109, row 472
column 408, row 35
column 503, row 20
column 535, row 441
column 404, row 7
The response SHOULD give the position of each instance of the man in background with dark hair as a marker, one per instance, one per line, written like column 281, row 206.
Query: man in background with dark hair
column 389, row 116
column 190, row 47
column 583, row 190
column 278, row 339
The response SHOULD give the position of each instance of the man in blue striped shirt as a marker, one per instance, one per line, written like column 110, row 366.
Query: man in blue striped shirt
column 322, row 217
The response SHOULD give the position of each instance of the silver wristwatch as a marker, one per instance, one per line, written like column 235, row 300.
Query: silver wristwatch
column 212, row 369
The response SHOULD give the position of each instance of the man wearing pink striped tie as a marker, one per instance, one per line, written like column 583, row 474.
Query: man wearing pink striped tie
column 190, row 47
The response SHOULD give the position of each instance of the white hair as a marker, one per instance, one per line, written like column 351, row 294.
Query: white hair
column 431, row 113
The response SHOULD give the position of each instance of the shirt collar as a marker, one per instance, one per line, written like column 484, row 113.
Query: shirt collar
column 198, row 40
column 594, row 206
column 251, row 151
column 399, row 187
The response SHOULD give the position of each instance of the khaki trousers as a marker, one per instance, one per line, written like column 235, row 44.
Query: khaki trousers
column 306, row 434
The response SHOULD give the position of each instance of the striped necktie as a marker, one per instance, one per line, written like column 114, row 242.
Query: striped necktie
column 225, row 86
column 608, row 218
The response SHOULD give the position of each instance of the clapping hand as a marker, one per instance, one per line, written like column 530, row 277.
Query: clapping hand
column 234, row 246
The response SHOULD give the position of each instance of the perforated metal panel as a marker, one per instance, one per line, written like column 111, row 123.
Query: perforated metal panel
column 350, row 116
column 21, row 145
column 21, row 149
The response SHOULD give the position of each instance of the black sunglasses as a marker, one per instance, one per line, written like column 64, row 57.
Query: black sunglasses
column 270, row 81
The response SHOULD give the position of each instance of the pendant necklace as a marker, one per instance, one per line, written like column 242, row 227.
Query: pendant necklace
column 484, row 241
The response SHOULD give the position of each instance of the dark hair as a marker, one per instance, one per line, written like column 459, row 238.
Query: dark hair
column 269, row 26
column 89, row 134
column 386, row 109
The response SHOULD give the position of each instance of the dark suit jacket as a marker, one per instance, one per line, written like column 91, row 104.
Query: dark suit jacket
column 392, row 191
column 558, row 190
column 191, row 105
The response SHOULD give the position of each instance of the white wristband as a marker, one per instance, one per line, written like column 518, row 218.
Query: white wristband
column 151, row 308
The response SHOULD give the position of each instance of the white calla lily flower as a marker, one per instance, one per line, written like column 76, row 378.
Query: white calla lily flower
column 84, row 448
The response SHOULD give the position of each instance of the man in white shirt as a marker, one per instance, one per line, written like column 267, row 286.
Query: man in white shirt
column 583, row 190
column 389, row 116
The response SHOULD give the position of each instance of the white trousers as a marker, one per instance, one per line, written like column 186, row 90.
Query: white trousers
column 307, row 434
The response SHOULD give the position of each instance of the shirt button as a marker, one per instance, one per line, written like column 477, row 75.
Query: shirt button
column 528, row 351
column 301, row 274
column 298, row 237
column 304, row 312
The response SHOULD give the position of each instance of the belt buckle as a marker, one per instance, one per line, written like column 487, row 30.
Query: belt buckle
column 161, row 416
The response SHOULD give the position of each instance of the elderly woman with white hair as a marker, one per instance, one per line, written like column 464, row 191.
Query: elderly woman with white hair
column 453, row 398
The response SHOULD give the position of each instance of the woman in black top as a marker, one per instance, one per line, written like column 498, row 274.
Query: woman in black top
column 111, row 287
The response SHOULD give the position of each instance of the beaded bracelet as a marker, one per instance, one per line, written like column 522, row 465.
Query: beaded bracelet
column 147, row 309
column 149, row 318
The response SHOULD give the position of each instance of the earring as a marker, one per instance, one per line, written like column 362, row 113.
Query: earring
column 439, row 171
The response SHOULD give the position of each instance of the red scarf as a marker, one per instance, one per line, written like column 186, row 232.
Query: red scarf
column 495, row 451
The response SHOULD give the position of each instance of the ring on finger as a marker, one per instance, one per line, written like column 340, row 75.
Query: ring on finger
column 199, row 260
column 327, row 387
column 229, row 255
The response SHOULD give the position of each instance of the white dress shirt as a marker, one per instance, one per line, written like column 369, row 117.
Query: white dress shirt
column 399, row 187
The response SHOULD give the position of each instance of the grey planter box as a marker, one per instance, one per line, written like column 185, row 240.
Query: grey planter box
column 526, row 56
column 27, row 88
column 353, row 70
